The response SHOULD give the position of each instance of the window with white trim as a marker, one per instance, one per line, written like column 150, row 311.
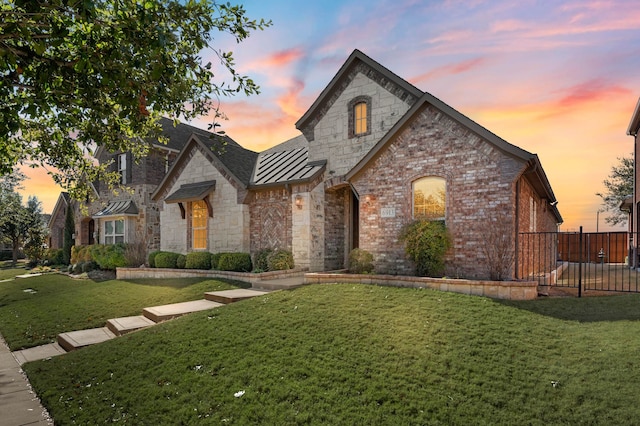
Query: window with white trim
column 114, row 231
column 122, row 168
column 429, row 198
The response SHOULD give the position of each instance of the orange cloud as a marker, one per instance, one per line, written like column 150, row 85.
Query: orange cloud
column 289, row 103
column 278, row 59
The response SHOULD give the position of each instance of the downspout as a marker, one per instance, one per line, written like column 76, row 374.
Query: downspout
column 634, row 207
column 515, row 227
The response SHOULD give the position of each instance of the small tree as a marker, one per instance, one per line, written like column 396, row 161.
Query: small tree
column 35, row 231
column 618, row 185
column 426, row 243
column 498, row 246
column 67, row 239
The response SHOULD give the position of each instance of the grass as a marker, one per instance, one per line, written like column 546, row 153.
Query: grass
column 34, row 310
column 356, row 354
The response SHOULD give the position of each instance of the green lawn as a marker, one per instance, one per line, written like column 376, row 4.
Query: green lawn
column 34, row 310
column 357, row 354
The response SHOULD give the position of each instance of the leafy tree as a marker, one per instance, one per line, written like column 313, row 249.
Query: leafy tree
column 77, row 75
column 36, row 230
column 618, row 186
column 21, row 226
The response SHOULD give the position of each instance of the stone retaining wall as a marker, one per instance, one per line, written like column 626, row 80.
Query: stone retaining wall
column 511, row 290
column 138, row 273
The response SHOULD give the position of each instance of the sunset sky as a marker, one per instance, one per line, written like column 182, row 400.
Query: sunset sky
column 559, row 79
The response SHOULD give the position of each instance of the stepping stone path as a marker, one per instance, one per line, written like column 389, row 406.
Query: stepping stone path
column 115, row 327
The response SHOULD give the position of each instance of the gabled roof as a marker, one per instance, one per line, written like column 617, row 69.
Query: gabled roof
column 225, row 154
column 64, row 200
column 540, row 181
column 354, row 59
column 289, row 166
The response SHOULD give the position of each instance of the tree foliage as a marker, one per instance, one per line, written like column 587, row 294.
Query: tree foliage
column 77, row 75
column 67, row 237
column 618, row 185
column 21, row 226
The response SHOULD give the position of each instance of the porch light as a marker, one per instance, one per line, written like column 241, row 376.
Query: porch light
column 299, row 201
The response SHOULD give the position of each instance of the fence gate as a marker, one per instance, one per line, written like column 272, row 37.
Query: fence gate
column 586, row 261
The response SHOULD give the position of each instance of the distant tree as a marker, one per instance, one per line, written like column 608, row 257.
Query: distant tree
column 21, row 226
column 77, row 75
column 618, row 186
column 67, row 238
column 36, row 231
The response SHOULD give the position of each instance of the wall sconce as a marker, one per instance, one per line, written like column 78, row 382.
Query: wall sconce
column 299, row 201
column 73, row 236
column 368, row 198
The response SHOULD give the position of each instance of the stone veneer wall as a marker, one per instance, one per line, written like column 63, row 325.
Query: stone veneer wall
column 228, row 229
column 480, row 184
column 331, row 140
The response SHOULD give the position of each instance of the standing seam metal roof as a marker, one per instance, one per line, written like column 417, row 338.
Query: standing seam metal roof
column 284, row 166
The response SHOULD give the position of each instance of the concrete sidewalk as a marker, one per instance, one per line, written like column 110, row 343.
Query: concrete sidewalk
column 20, row 406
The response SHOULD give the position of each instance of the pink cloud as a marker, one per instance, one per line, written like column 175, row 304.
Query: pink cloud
column 450, row 69
column 280, row 58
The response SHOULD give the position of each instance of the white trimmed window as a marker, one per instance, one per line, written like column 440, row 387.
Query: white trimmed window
column 114, row 231
column 429, row 198
column 122, row 168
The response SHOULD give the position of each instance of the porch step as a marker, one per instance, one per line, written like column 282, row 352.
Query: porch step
column 230, row 296
column 124, row 325
column 78, row 339
column 174, row 310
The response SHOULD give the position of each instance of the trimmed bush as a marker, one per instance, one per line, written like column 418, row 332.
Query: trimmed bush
column 53, row 256
column 237, row 262
column 108, row 256
column 166, row 259
column 426, row 243
column 260, row 260
column 80, row 254
column 215, row 260
column 181, row 261
column 280, row 260
column 360, row 261
column 152, row 258
column 198, row 260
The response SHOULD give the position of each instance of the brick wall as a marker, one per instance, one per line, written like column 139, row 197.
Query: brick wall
column 270, row 219
column 336, row 229
column 480, row 185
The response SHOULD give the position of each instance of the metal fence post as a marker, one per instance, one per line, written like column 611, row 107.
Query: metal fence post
column 580, row 264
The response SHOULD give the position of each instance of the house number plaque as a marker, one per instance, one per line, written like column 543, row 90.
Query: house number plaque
column 388, row 212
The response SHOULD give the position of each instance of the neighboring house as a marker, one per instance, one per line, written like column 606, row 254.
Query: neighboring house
column 57, row 219
column 127, row 215
column 374, row 153
column 630, row 204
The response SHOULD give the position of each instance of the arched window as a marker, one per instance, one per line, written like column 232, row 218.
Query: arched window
column 360, row 116
column 429, row 198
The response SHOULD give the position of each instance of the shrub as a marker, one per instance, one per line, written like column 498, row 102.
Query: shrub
column 215, row 260
column 280, row 260
column 426, row 243
column 181, row 261
column 238, row 262
column 260, row 260
column 152, row 258
column 80, row 254
column 360, row 261
column 134, row 252
column 166, row 259
column 53, row 256
column 108, row 256
column 198, row 260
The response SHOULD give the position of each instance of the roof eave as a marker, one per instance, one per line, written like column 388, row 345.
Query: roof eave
column 634, row 124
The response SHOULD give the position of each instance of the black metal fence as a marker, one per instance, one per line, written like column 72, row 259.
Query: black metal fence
column 583, row 261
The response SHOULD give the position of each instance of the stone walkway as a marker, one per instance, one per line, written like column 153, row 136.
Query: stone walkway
column 18, row 403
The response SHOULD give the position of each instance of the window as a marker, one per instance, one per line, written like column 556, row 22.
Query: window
column 360, row 116
column 429, row 198
column 114, row 231
column 199, row 214
column 122, row 167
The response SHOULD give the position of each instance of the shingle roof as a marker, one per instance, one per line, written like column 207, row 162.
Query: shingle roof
column 179, row 135
column 238, row 160
column 284, row 167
